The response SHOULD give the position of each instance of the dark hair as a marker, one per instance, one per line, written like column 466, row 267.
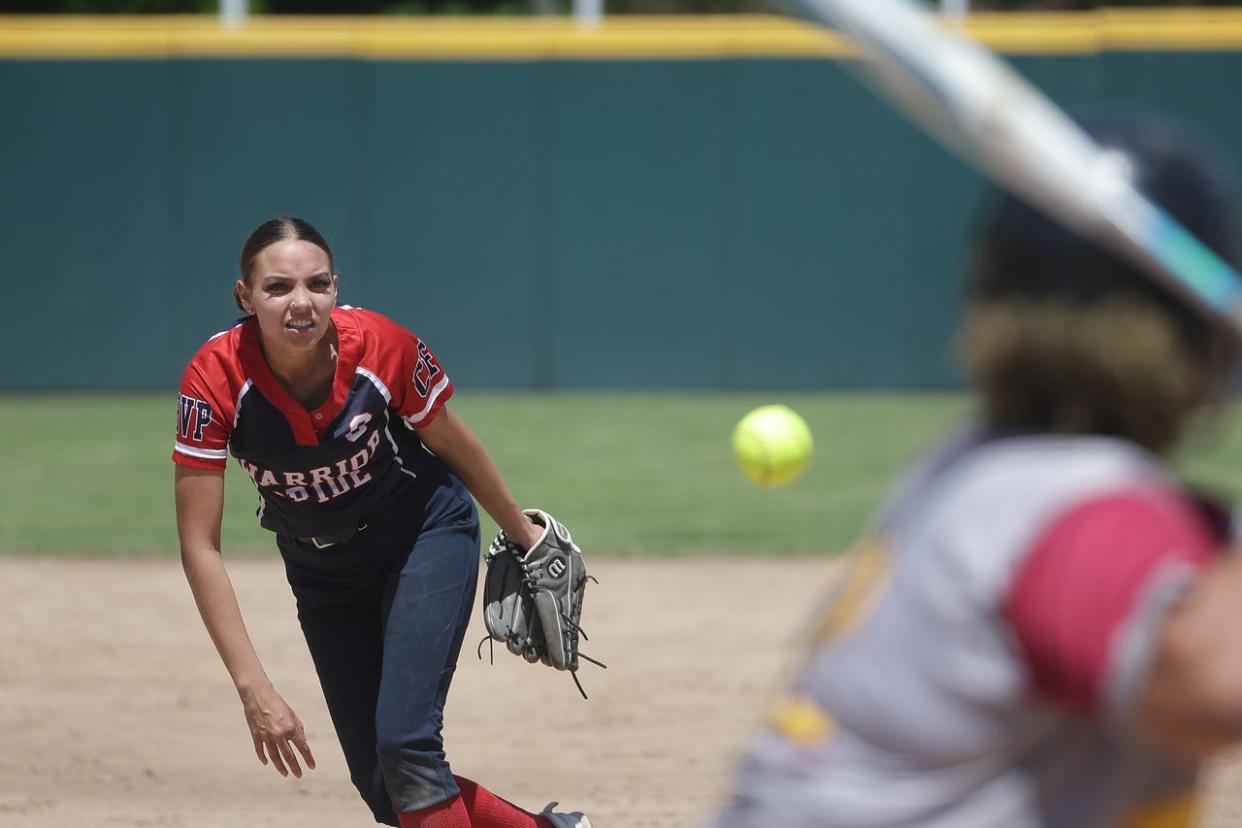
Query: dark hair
column 1063, row 335
column 281, row 228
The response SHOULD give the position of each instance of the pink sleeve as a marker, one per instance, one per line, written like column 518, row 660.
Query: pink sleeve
column 1084, row 579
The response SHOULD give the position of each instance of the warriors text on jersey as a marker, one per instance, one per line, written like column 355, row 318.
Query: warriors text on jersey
column 324, row 470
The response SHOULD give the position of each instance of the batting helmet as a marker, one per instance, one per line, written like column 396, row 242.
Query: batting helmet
column 1063, row 335
column 1023, row 254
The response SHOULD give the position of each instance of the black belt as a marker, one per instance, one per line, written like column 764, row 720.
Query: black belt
column 335, row 538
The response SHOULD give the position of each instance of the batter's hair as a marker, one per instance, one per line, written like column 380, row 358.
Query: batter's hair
column 1062, row 335
column 279, row 229
column 1117, row 367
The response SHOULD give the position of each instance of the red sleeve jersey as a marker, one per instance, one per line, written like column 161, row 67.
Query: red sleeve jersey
column 210, row 387
column 321, row 469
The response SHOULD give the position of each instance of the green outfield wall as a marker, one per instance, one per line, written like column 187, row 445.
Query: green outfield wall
column 693, row 204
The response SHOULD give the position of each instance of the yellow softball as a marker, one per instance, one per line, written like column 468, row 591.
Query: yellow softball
column 772, row 445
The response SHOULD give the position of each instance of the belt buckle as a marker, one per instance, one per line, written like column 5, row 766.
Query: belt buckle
column 344, row 536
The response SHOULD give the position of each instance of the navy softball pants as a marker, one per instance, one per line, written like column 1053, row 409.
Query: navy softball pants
column 384, row 616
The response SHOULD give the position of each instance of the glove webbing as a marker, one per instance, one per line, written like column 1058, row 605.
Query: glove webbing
column 501, row 543
column 491, row 649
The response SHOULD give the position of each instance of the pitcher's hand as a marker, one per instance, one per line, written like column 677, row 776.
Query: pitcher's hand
column 276, row 730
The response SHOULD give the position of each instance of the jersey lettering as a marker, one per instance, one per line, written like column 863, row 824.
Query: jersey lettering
column 358, row 427
column 324, row 482
column 195, row 416
column 426, row 370
column 858, row 593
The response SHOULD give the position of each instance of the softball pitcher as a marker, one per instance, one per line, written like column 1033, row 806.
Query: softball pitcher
column 1041, row 629
column 331, row 411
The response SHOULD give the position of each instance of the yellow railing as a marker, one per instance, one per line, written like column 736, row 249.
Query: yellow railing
column 619, row 38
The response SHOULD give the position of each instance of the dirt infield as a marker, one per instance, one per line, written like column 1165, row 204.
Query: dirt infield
column 115, row 710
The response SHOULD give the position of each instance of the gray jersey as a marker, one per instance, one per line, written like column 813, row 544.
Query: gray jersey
column 914, row 707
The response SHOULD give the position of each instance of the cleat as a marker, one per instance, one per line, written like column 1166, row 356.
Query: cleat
column 561, row 819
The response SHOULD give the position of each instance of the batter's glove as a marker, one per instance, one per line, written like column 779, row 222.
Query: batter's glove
column 532, row 600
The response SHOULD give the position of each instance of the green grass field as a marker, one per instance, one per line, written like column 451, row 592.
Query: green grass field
column 631, row 473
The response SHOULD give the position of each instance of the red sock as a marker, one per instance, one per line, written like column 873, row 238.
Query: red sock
column 490, row 811
column 450, row 813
